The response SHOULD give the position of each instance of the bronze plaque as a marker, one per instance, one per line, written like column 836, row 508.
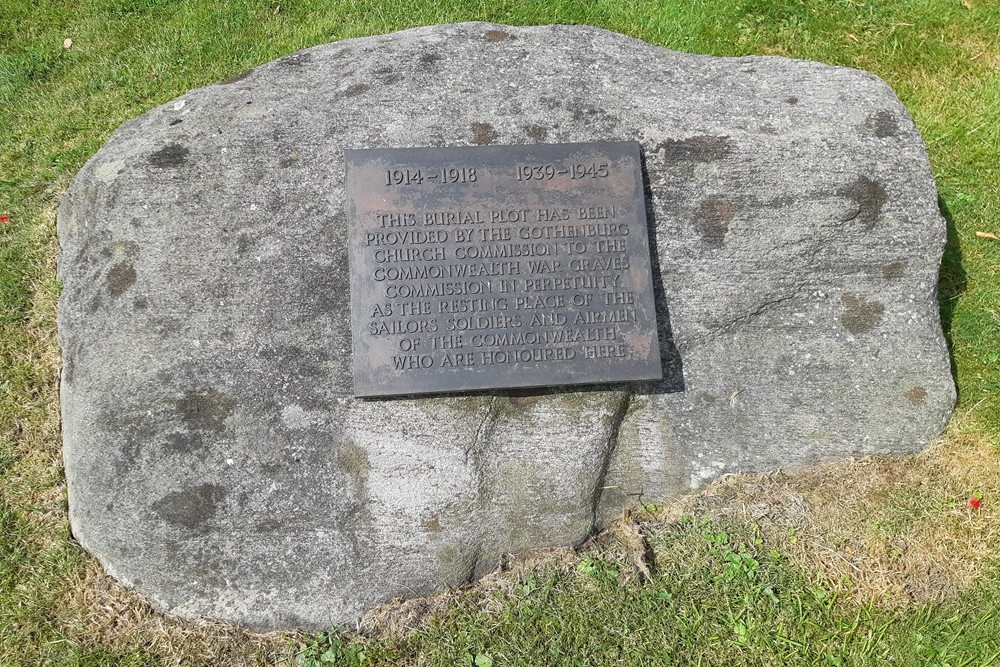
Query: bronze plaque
column 499, row 266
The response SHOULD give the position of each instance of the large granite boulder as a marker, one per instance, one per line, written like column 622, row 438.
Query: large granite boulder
column 217, row 461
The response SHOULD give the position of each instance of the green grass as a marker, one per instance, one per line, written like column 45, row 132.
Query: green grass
column 719, row 596
column 707, row 601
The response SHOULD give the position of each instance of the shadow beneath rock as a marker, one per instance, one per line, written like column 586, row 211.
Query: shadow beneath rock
column 670, row 357
column 952, row 283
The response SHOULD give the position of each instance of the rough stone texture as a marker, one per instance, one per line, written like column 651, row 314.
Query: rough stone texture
column 216, row 459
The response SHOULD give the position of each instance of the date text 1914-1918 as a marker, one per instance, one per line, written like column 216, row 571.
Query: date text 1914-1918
column 499, row 266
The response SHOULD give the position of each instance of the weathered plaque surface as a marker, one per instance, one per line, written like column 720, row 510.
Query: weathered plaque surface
column 499, row 266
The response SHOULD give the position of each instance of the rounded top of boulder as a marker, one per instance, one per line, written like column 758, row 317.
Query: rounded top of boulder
column 480, row 83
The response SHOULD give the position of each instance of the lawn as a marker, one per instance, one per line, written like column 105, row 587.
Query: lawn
column 875, row 561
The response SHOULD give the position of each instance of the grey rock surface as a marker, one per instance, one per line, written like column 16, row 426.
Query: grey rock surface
column 216, row 459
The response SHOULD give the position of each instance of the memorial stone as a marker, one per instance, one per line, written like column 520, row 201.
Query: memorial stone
column 217, row 458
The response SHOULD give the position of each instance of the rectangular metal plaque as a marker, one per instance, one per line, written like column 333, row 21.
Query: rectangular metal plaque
column 499, row 266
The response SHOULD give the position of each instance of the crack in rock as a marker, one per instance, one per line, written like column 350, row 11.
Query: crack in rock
column 474, row 456
column 728, row 322
column 617, row 419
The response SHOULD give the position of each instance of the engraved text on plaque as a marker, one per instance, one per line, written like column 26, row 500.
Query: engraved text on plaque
column 499, row 266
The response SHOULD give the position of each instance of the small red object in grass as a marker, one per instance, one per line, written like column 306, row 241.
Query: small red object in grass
column 4, row 219
column 975, row 503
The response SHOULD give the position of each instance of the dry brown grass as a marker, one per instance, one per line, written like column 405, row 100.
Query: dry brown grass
column 100, row 613
column 890, row 531
column 36, row 481
column 974, row 47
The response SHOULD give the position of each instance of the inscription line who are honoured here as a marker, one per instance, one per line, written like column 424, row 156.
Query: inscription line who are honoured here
column 499, row 266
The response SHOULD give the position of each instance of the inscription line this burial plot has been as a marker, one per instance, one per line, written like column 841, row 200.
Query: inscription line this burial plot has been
column 499, row 266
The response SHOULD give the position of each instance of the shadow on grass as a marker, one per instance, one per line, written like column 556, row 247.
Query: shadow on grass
column 952, row 282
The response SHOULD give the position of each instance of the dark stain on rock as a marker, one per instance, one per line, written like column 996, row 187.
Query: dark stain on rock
column 171, row 155
column 205, row 410
column 916, row 395
column 883, row 124
column 281, row 135
column 238, row 77
column 191, row 508
column 129, row 454
column 94, row 305
column 860, row 315
column 483, row 134
column 295, row 60
column 243, row 243
column 537, row 133
column 496, row 36
column 356, row 89
column 792, row 100
column 579, row 111
column 432, row 525
column 868, row 197
column 267, row 526
column 702, row 148
column 428, row 62
column 523, row 398
column 282, row 354
column 176, row 121
column 713, row 221
column 550, row 103
column 140, row 305
column 767, row 129
column 182, row 443
column 582, row 112
column 289, row 160
column 354, row 461
column 778, row 203
column 120, row 278
column 894, row 271
column 386, row 76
